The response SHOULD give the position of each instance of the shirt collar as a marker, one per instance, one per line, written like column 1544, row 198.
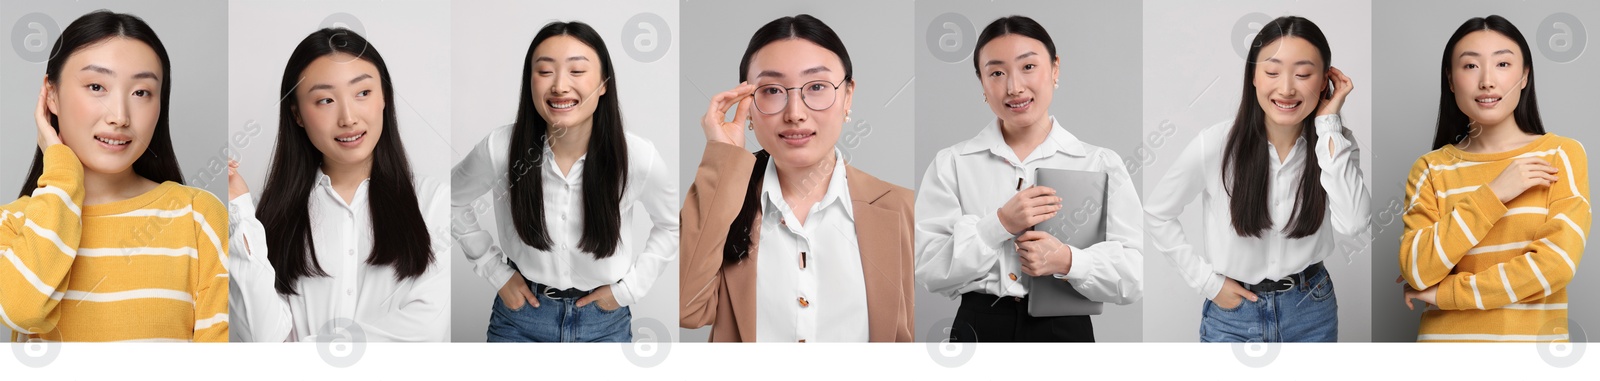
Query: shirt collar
column 838, row 188
column 1059, row 140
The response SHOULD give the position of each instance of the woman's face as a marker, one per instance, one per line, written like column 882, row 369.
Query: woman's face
column 1487, row 76
column 340, row 104
column 796, row 135
column 1289, row 80
column 1019, row 78
column 567, row 81
column 107, row 102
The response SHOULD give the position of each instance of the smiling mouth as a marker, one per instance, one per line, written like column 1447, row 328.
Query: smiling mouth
column 112, row 142
column 1286, row 105
column 1019, row 103
column 1488, row 100
column 562, row 104
column 797, row 135
column 351, row 138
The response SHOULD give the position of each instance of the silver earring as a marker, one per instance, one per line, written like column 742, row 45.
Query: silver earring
column 749, row 126
column 1058, row 84
column 847, row 115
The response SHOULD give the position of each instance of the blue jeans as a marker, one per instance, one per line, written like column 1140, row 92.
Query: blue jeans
column 1308, row 312
column 559, row 320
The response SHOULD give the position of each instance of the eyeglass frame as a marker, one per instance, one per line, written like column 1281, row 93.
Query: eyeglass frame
column 757, row 105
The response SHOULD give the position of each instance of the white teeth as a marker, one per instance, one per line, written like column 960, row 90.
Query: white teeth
column 1020, row 105
column 1286, row 106
column 564, row 105
column 111, row 142
column 1488, row 100
column 795, row 136
column 350, row 139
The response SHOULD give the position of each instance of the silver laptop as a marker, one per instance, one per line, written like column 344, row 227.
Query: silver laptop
column 1081, row 223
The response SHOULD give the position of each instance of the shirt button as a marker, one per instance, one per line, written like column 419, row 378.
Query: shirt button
column 803, row 302
column 349, row 291
column 1013, row 276
column 350, row 252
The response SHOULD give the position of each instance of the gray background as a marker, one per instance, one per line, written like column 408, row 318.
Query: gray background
column 1408, row 88
column 194, row 37
column 490, row 39
column 1192, row 78
column 877, row 34
column 1098, row 102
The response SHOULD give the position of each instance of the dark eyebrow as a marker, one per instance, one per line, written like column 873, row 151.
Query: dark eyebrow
column 815, row 70
column 548, row 59
column 1497, row 52
column 323, row 86
column 1301, row 62
column 1019, row 58
column 103, row 70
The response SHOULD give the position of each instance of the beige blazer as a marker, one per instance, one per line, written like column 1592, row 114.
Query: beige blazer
column 724, row 296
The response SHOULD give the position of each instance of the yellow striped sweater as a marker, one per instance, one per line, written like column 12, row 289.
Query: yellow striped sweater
column 1501, row 269
column 149, row 268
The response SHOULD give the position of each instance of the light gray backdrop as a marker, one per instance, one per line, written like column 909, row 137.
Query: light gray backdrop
column 413, row 37
column 490, row 39
column 1193, row 72
column 1098, row 42
column 1414, row 34
column 878, row 35
column 194, row 33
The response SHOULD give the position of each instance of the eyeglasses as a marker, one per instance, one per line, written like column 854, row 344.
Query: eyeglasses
column 817, row 95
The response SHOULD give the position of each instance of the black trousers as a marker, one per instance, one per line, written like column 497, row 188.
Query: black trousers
column 988, row 318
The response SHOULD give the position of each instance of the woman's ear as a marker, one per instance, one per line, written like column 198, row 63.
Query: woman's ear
column 295, row 110
column 52, row 99
column 849, row 93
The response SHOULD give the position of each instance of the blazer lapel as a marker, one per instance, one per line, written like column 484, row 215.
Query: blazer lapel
column 878, row 232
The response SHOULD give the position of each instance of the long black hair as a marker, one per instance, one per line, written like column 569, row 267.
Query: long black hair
column 605, row 169
column 1452, row 123
column 1245, row 159
column 157, row 163
column 805, row 27
column 399, row 234
column 1018, row 25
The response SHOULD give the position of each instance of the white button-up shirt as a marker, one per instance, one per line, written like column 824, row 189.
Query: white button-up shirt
column 962, row 247
column 1198, row 172
column 416, row 309
column 825, row 299
column 629, row 272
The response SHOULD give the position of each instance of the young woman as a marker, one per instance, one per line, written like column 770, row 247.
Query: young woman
column 1499, row 212
column 342, row 236
column 1279, row 188
column 566, row 178
column 791, row 243
column 975, row 209
column 105, row 243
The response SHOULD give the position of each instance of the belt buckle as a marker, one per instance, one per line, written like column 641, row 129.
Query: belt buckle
column 1286, row 284
column 550, row 292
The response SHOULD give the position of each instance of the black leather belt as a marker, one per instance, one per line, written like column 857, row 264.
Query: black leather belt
column 553, row 293
column 1287, row 283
